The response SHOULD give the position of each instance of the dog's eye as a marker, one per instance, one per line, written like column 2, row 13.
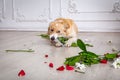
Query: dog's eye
column 52, row 30
column 58, row 31
column 64, row 30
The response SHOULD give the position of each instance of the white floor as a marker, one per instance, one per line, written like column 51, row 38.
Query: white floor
column 33, row 63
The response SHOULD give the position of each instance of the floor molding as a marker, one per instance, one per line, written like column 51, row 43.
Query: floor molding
column 46, row 30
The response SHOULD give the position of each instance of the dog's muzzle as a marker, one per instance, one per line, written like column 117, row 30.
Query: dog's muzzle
column 53, row 37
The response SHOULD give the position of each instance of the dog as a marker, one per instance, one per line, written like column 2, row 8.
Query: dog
column 62, row 27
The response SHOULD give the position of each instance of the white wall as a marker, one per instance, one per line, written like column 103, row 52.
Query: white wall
column 89, row 15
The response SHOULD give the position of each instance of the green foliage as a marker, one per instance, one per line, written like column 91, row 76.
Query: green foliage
column 74, row 44
column 89, row 58
column 81, row 45
column 110, row 56
column 46, row 36
column 85, row 57
column 62, row 39
column 72, row 60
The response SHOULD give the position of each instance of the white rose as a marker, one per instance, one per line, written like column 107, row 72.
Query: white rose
column 116, row 63
column 80, row 67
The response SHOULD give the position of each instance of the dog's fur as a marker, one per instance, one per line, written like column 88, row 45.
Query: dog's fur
column 62, row 27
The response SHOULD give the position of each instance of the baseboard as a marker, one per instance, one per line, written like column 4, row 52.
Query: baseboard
column 46, row 30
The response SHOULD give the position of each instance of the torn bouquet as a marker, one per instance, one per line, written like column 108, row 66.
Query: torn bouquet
column 86, row 57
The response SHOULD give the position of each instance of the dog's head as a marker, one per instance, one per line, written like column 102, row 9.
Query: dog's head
column 56, row 29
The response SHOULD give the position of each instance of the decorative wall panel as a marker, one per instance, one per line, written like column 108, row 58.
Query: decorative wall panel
column 89, row 15
column 2, row 9
column 92, row 10
column 31, row 10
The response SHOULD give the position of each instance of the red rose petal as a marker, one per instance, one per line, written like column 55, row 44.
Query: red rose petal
column 117, row 56
column 46, row 55
column 21, row 73
column 51, row 65
column 69, row 67
column 103, row 61
column 61, row 68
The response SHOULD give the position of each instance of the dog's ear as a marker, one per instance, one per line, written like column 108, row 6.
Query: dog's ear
column 65, row 22
column 51, row 24
column 48, row 30
column 68, row 23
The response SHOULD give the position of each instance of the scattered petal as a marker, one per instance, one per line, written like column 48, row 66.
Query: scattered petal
column 103, row 61
column 61, row 68
column 46, row 56
column 69, row 67
column 51, row 65
column 21, row 73
column 109, row 41
column 118, row 55
column 45, row 62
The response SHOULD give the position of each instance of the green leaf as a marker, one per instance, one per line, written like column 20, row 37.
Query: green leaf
column 92, row 54
column 72, row 60
column 86, row 58
column 110, row 56
column 89, row 58
column 62, row 39
column 46, row 36
column 81, row 45
column 74, row 44
column 89, row 45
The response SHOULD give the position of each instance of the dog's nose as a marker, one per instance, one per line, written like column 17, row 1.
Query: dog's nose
column 52, row 38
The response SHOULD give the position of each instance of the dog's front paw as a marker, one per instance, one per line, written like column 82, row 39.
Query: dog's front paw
column 58, row 44
column 68, row 44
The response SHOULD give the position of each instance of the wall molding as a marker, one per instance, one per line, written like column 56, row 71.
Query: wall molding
column 116, row 7
column 1, row 15
column 4, row 29
column 72, row 9
column 60, row 11
column 18, row 16
column 2, row 11
column 92, row 17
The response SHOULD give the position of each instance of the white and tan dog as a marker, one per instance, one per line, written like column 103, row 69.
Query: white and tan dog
column 62, row 27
